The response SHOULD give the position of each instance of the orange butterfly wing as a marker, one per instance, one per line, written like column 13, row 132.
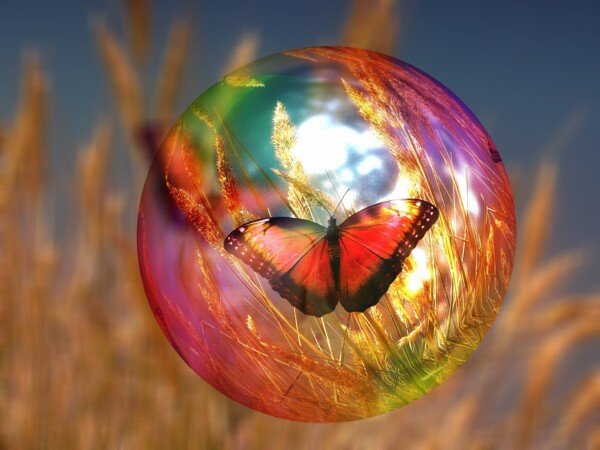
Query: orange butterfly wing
column 374, row 242
column 309, row 285
column 293, row 256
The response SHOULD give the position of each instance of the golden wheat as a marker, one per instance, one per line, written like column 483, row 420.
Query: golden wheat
column 122, row 75
column 138, row 19
column 169, row 81
column 245, row 51
column 372, row 24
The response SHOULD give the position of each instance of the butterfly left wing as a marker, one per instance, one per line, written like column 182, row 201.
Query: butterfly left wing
column 293, row 256
column 374, row 242
column 272, row 246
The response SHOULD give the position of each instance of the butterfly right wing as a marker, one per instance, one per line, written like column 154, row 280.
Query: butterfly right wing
column 293, row 255
column 374, row 243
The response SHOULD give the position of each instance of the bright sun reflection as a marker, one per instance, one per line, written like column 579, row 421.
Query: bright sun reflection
column 404, row 188
column 323, row 145
column 467, row 194
column 420, row 273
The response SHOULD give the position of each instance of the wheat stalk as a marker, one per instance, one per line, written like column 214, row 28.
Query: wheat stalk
column 138, row 18
column 372, row 24
column 122, row 75
column 582, row 404
column 301, row 195
column 169, row 82
column 244, row 52
column 539, row 374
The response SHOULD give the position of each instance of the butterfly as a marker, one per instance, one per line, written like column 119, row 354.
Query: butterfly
column 315, row 267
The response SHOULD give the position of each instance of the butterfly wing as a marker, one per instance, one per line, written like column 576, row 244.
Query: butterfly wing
column 374, row 242
column 293, row 255
column 309, row 285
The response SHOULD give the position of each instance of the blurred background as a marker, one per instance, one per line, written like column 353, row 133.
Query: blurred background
column 87, row 90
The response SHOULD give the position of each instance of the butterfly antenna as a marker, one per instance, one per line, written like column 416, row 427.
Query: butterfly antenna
column 340, row 202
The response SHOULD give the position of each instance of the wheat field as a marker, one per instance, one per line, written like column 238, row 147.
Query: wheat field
column 84, row 365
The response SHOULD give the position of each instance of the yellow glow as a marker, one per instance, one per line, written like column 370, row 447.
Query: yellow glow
column 404, row 188
column 420, row 273
column 420, row 258
column 467, row 195
column 414, row 282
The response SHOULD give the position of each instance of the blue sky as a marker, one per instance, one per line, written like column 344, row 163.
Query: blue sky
column 526, row 69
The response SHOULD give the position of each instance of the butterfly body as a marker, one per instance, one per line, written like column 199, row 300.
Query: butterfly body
column 314, row 267
column 333, row 240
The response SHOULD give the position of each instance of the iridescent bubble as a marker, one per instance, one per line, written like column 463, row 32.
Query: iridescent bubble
column 288, row 136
